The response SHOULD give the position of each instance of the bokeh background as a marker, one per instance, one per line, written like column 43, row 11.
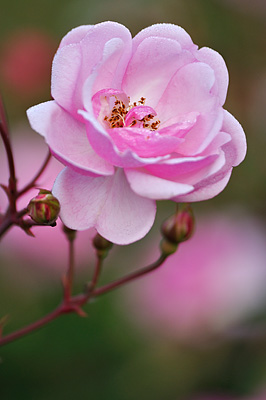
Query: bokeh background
column 197, row 328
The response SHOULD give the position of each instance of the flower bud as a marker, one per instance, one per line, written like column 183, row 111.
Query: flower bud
column 180, row 226
column 44, row 208
column 101, row 245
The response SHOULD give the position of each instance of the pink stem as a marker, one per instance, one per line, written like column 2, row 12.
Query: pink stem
column 62, row 309
column 10, row 220
column 12, row 175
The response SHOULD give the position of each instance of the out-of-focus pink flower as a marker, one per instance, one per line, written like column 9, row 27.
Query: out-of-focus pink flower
column 214, row 280
column 136, row 121
column 49, row 248
column 260, row 396
column 26, row 61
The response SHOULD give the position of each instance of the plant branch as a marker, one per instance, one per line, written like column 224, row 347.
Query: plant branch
column 96, row 274
column 130, row 277
column 3, row 118
column 10, row 220
column 74, row 303
column 12, row 175
column 62, row 309
column 82, row 298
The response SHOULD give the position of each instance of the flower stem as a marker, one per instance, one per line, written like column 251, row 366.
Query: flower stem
column 96, row 275
column 62, row 309
column 128, row 278
column 11, row 216
column 10, row 220
column 12, row 186
column 82, row 299
column 3, row 118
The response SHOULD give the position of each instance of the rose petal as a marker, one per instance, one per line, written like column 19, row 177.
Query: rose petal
column 189, row 170
column 234, row 151
column 39, row 116
column 144, row 142
column 216, row 62
column 108, row 203
column 238, row 145
column 208, row 188
column 180, row 128
column 75, row 35
column 74, row 63
column 67, row 139
column 206, row 128
column 219, row 140
column 138, row 112
column 169, row 31
column 111, row 68
column 152, row 187
column 103, row 101
column 151, row 67
column 103, row 144
column 65, row 76
column 189, row 90
column 174, row 167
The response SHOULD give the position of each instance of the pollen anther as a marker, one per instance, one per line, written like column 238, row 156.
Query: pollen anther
column 119, row 112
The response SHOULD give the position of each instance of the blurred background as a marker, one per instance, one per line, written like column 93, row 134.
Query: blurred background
column 196, row 329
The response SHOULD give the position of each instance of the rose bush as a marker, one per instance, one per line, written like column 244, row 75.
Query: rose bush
column 136, row 121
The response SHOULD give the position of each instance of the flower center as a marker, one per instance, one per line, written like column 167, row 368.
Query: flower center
column 135, row 114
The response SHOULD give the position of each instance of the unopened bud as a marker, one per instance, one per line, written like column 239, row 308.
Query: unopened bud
column 180, row 226
column 101, row 245
column 44, row 208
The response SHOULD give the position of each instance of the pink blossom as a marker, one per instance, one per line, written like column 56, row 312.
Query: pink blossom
column 135, row 121
column 214, row 280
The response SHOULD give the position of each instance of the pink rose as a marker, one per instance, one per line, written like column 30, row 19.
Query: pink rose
column 136, row 121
